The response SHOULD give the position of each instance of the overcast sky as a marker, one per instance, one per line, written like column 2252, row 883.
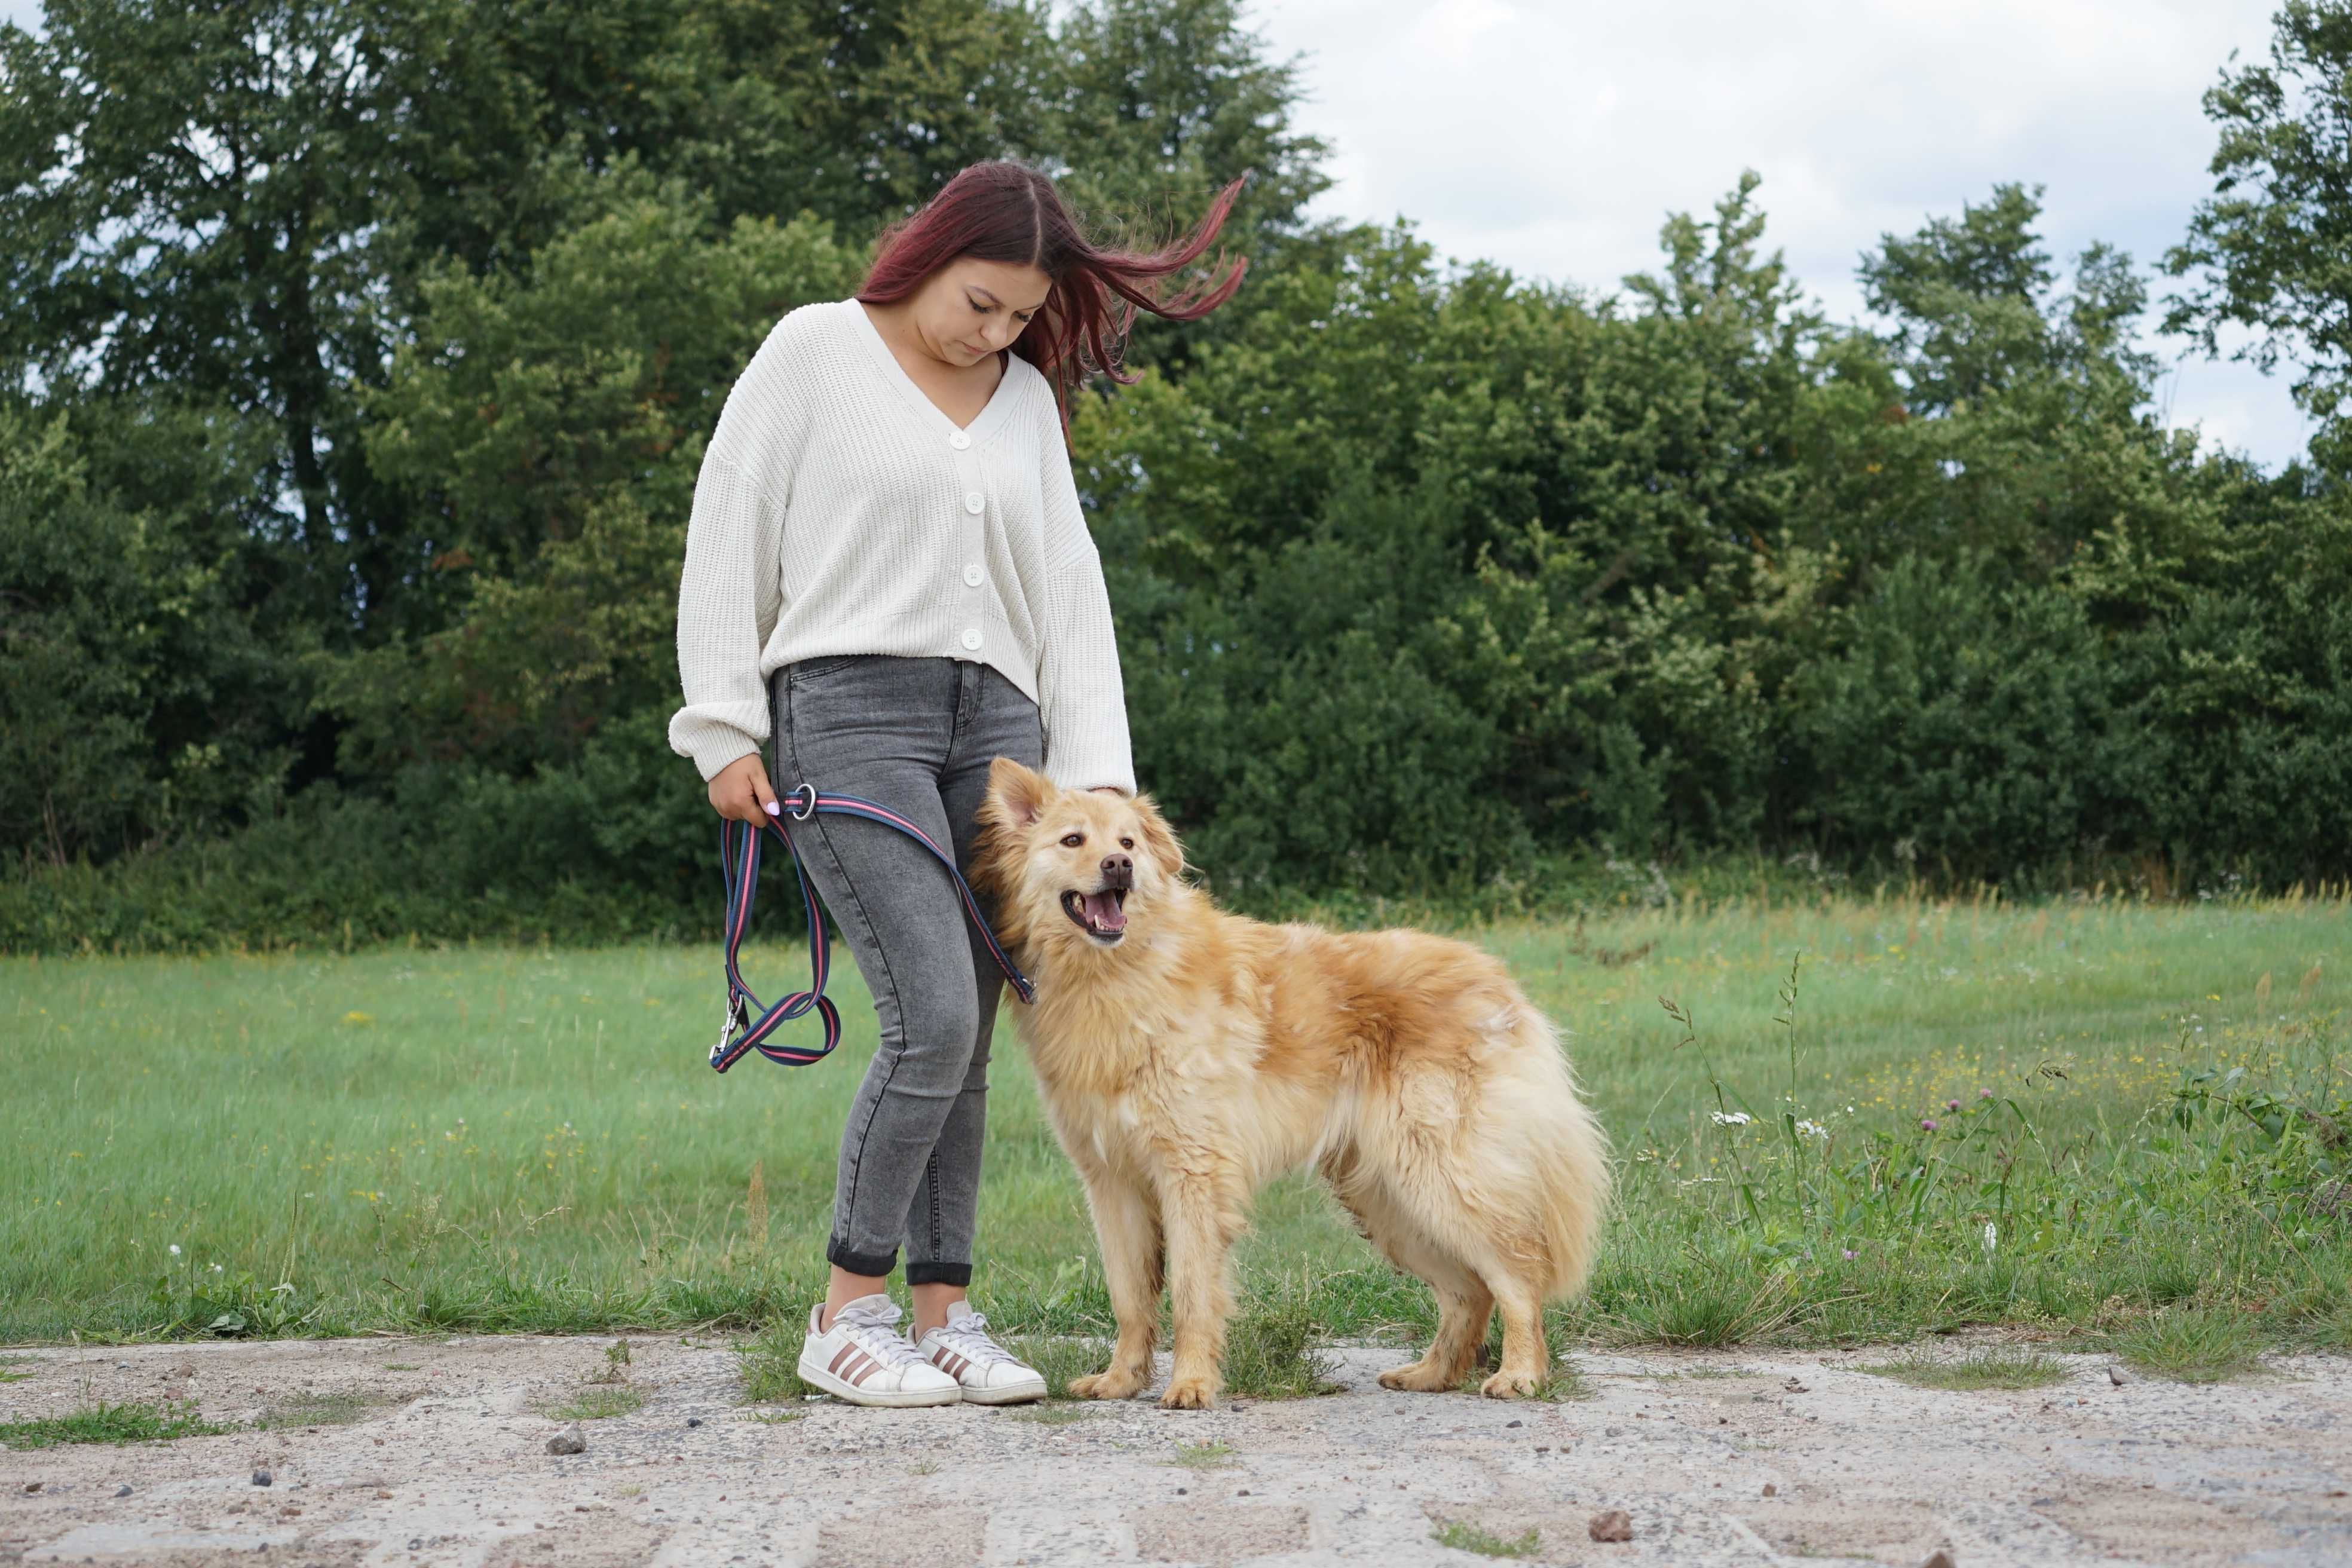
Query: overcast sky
column 1553, row 136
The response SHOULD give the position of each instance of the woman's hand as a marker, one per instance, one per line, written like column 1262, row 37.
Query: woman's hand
column 739, row 791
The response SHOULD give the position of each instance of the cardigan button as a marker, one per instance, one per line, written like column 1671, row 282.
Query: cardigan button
column 960, row 440
column 972, row 574
column 975, row 502
column 971, row 636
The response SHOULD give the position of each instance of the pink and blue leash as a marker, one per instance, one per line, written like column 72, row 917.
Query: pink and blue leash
column 739, row 854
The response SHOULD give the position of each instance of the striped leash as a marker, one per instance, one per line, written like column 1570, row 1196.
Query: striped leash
column 738, row 855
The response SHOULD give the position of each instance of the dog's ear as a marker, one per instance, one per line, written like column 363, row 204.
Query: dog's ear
column 1017, row 796
column 1158, row 839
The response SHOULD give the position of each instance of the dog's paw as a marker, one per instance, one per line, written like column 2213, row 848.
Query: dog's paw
column 1510, row 1385
column 1111, row 1384
column 1419, row 1378
column 1190, row 1393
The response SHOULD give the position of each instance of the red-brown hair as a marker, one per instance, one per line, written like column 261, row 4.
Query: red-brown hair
column 1004, row 211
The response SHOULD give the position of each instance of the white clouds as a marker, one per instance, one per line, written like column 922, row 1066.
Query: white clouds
column 1554, row 138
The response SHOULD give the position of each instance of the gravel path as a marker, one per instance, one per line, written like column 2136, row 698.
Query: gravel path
column 442, row 1458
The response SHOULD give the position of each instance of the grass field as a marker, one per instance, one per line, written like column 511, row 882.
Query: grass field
column 2138, row 1114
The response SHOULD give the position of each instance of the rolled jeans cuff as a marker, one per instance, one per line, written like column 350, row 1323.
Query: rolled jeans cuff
column 932, row 1271
column 872, row 1265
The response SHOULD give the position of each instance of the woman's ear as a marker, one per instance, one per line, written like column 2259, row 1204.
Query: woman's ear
column 1158, row 839
column 1017, row 796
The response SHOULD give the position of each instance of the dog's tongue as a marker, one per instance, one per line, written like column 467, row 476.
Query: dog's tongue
column 1104, row 911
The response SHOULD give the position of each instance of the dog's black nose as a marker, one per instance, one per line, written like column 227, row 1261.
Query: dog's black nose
column 1119, row 872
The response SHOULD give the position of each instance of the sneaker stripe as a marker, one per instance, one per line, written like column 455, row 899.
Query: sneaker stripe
column 861, row 1367
column 839, row 1356
column 961, row 1367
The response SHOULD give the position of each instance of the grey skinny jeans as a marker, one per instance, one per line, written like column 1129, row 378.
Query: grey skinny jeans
column 915, row 735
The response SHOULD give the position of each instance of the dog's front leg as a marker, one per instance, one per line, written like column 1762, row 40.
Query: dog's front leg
column 1202, row 1217
column 1128, row 1234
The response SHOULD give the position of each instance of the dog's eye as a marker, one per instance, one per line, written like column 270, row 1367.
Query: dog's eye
column 1126, row 844
column 1072, row 840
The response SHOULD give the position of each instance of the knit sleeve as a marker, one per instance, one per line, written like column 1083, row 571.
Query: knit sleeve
column 1079, row 695
column 728, row 596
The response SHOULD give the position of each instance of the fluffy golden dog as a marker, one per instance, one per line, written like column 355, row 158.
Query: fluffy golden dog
column 1189, row 1056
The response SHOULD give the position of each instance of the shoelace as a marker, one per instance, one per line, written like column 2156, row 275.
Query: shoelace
column 968, row 1337
column 876, row 1332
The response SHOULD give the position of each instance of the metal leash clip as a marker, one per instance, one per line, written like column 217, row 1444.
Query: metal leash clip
column 736, row 1016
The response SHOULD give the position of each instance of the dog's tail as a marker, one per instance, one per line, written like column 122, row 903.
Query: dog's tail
column 1570, row 1158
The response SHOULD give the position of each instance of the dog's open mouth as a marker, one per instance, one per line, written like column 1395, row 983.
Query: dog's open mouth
column 1103, row 914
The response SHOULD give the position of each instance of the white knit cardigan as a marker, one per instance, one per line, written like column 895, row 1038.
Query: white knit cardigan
column 838, row 511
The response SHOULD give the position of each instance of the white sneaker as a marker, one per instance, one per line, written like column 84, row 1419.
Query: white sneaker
column 865, row 1360
column 988, row 1372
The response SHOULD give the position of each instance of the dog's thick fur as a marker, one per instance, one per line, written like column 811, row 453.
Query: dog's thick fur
column 1189, row 1056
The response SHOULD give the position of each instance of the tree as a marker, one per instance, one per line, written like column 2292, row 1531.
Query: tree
column 2270, row 252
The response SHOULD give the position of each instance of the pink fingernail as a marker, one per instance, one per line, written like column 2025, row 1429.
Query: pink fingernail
column 774, row 810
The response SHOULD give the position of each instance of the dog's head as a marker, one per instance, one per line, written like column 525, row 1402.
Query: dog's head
column 1072, row 870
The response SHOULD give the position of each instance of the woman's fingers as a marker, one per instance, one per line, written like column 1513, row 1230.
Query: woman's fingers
column 741, row 791
column 763, row 798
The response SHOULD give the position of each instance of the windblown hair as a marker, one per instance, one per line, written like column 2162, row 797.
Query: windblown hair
column 1004, row 211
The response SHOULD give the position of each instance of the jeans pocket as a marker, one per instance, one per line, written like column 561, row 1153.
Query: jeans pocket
column 808, row 669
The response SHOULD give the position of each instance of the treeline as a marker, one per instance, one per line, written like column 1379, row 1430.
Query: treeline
column 361, row 362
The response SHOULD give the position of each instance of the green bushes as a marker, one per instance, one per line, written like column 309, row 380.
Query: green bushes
column 1429, row 583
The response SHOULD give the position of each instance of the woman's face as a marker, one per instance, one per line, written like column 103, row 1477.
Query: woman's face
column 967, row 309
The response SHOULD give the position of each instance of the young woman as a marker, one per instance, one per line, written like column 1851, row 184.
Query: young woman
column 888, row 575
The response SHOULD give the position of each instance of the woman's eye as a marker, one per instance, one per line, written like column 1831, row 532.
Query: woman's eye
column 1072, row 840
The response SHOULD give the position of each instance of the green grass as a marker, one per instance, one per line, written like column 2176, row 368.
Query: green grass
column 336, row 1409
column 104, row 1422
column 601, row 1404
column 1059, row 1358
column 1056, row 1414
column 1992, row 1368
column 1270, row 1346
column 1203, row 1455
column 2190, row 1344
column 1465, row 1537
column 500, row 1139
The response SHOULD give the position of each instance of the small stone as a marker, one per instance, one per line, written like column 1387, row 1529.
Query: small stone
column 417, row 1543
column 1243, row 1492
column 262, row 1477
column 1616, row 1525
column 1940, row 1557
column 568, row 1441
column 1771, row 1490
column 694, row 1420
column 382, row 1495
column 2115, row 1376
column 1179, row 1491
column 1513, row 1423
column 1793, row 1386
column 32, row 1486
column 123, row 1490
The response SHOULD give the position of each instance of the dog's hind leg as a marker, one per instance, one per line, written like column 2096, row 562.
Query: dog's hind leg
column 1526, row 1358
column 1464, row 1304
column 1463, row 1307
column 1128, row 1234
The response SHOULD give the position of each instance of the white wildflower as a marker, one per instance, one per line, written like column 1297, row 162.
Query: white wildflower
column 1812, row 1129
column 1991, row 1239
column 175, row 1249
column 1721, row 1118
